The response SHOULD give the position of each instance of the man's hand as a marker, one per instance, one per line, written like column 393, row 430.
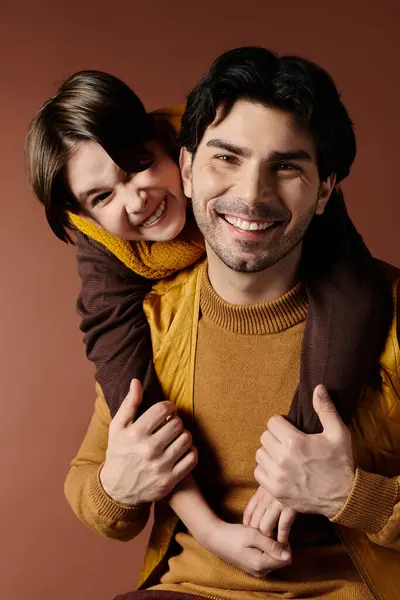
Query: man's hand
column 308, row 473
column 263, row 512
column 247, row 548
column 145, row 459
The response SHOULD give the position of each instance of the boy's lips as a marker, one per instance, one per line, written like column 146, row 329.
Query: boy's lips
column 156, row 216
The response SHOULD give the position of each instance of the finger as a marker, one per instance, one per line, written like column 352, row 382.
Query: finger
column 178, row 448
column 167, row 433
column 130, row 405
column 271, row 547
column 185, row 465
column 265, row 461
column 270, row 519
column 263, row 479
column 286, row 521
column 281, row 428
column 156, row 416
column 265, row 563
column 271, row 444
column 257, row 516
column 328, row 415
column 248, row 513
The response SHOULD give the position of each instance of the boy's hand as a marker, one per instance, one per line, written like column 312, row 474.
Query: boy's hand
column 247, row 549
column 263, row 512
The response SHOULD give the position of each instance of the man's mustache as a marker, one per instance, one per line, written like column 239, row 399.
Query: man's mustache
column 261, row 211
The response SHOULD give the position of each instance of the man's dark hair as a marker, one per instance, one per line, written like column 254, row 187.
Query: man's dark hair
column 89, row 105
column 289, row 83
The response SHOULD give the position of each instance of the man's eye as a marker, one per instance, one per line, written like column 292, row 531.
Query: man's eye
column 286, row 167
column 100, row 198
column 228, row 158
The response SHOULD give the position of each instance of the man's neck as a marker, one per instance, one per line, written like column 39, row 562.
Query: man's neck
column 249, row 288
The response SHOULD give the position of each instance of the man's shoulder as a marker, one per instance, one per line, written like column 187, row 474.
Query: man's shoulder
column 172, row 308
column 172, row 302
column 391, row 272
column 181, row 283
column 390, row 357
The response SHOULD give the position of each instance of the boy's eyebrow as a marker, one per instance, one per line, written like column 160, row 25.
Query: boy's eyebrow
column 84, row 196
column 245, row 152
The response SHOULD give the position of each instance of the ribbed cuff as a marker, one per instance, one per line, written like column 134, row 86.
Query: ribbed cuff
column 109, row 508
column 370, row 503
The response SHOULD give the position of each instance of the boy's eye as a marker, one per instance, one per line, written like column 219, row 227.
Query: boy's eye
column 100, row 198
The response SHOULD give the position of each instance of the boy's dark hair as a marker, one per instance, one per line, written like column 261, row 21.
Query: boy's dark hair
column 89, row 105
column 289, row 83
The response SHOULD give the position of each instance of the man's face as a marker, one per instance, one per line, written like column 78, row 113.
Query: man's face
column 254, row 185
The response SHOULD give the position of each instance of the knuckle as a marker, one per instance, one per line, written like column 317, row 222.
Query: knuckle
column 147, row 451
column 177, row 424
column 291, row 443
column 282, row 462
column 272, row 420
column 186, row 438
column 257, row 566
column 164, row 484
column 194, row 456
column 274, row 547
column 164, row 409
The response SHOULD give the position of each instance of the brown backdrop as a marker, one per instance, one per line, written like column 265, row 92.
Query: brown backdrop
column 160, row 48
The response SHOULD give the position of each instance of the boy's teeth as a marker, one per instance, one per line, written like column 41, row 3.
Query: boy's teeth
column 156, row 215
column 247, row 225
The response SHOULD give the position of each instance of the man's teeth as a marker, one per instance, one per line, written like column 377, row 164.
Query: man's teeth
column 154, row 217
column 248, row 225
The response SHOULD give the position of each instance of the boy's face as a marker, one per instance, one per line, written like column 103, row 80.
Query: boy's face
column 149, row 205
column 255, row 186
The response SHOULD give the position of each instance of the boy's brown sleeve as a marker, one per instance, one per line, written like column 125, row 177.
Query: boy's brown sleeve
column 117, row 335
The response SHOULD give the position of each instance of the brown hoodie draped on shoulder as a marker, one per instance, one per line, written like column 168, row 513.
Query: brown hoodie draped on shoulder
column 347, row 323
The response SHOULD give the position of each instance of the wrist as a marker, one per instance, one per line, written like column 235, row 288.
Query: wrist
column 337, row 503
column 112, row 492
column 213, row 536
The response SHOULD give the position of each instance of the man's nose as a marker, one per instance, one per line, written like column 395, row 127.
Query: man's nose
column 253, row 185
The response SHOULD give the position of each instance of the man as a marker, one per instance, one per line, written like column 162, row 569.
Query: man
column 265, row 140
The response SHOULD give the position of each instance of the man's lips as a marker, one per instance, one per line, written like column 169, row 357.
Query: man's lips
column 245, row 224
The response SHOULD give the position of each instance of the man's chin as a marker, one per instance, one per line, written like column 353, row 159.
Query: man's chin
column 243, row 263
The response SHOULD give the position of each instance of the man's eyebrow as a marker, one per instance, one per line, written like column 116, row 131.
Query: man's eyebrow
column 290, row 155
column 229, row 147
column 275, row 156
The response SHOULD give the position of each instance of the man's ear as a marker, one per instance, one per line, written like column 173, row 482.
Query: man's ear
column 325, row 191
column 185, row 163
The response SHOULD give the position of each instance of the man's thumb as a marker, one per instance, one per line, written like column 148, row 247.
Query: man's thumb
column 326, row 410
column 127, row 411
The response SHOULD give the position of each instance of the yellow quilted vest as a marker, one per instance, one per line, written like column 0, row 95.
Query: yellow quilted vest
column 172, row 310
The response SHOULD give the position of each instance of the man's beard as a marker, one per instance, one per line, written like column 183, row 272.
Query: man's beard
column 256, row 260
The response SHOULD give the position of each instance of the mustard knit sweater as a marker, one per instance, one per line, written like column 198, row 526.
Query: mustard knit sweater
column 247, row 370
